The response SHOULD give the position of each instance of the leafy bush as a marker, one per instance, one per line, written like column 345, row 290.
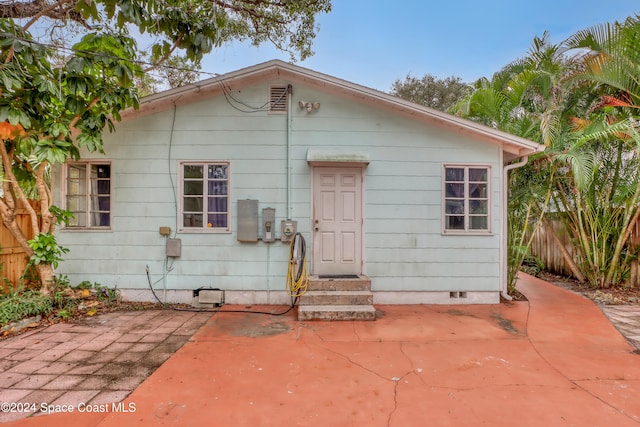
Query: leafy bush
column 65, row 302
column 533, row 266
column 106, row 294
column 19, row 304
column 46, row 250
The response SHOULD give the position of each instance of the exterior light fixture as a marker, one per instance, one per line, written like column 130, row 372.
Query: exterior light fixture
column 309, row 106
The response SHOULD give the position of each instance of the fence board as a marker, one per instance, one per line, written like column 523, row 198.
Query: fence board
column 544, row 247
column 12, row 257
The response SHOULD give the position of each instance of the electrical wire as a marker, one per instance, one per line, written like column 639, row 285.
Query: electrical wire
column 232, row 100
column 294, row 300
column 297, row 275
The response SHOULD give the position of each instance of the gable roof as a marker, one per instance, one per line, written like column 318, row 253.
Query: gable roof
column 512, row 146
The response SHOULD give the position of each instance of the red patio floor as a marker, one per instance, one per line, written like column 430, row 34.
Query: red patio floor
column 554, row 360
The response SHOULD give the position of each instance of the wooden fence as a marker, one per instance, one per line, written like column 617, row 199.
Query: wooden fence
column 545, row 248
column 13, row 259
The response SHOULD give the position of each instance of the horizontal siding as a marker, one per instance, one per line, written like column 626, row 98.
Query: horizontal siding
column 426, row 255
column 432, row 283
column 458, row 268
column 431, row 241
column 404, row 246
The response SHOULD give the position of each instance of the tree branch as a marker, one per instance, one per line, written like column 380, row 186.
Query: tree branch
column 250, row 10
column 45, row 202
column 8, row 217
column 74, row 121
column 61, row 10
column 165, row 57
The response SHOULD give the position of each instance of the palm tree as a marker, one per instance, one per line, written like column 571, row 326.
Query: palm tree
column 606, row 207
column 526, row 98
column 584, row 108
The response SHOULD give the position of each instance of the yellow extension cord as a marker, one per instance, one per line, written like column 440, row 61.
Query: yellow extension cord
column 297, row 287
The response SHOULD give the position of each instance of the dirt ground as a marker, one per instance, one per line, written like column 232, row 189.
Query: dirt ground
column 90, row 307
column 612, row 296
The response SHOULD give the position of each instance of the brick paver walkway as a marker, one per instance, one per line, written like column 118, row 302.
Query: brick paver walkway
column 94, row 360
column 626, row 318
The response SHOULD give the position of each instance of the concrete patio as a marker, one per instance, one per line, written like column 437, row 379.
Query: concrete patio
column 554, row 360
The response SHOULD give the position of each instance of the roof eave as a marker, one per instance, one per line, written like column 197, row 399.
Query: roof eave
column 512, row 145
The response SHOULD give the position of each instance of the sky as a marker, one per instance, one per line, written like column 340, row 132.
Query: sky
column 376, row 42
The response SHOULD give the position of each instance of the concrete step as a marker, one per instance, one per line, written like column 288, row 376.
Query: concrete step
column 363, row 283
column 336, row 312
column 337, row 298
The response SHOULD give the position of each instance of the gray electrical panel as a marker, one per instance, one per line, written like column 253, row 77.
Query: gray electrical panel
column 247, row 220
column 174, row 248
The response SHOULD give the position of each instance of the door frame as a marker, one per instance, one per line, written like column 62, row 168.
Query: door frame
column 337, row 165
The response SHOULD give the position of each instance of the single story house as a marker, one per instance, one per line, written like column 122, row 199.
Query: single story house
column 203, row 185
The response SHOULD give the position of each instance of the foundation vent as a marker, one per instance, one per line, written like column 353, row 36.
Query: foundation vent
column 456, row 295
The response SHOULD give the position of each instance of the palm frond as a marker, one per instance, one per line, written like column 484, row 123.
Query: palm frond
column 582, row 164
column 550, row 126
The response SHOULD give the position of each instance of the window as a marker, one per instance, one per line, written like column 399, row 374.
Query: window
column 205, row 196
column 466, row 198
column 88, row 194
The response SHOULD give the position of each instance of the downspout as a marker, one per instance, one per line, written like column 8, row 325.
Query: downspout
column 504, row 227
column 289, row 138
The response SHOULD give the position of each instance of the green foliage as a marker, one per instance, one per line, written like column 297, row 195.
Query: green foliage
column 63, row 216
column 584, row 107
column 431, row 91
column 59, row 99
column 85, row 284
column 19, row 304
column 46, row 250
column 532, row 265
column 64, row 302
column 49, row 102
column 104, row 293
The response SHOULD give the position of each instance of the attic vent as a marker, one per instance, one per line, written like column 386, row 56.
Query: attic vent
column 278, row 99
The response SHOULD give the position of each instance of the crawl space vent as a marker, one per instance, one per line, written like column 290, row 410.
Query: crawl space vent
column 278, row 99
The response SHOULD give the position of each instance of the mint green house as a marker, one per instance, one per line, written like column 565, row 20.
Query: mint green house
column 202, row 186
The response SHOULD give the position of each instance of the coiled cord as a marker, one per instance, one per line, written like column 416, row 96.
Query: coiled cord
column 297, row 275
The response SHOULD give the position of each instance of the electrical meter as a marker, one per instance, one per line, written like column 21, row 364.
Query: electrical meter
column 288, row 229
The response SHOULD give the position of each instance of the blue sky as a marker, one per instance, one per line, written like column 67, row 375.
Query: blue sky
column 375, row 42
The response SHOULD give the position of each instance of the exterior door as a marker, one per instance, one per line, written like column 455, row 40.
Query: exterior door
column 337, row 220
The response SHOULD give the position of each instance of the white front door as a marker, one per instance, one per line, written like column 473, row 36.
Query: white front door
column 337, row 220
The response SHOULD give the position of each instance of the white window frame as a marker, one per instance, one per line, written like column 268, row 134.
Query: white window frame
column 204, row 229
column 466, row 198
column 88, row 210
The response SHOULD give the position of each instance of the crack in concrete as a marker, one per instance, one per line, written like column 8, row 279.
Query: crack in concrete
column 575, row 382
column 396, row 380
column 355, row 331
column 314, row 332
column 344, row 356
